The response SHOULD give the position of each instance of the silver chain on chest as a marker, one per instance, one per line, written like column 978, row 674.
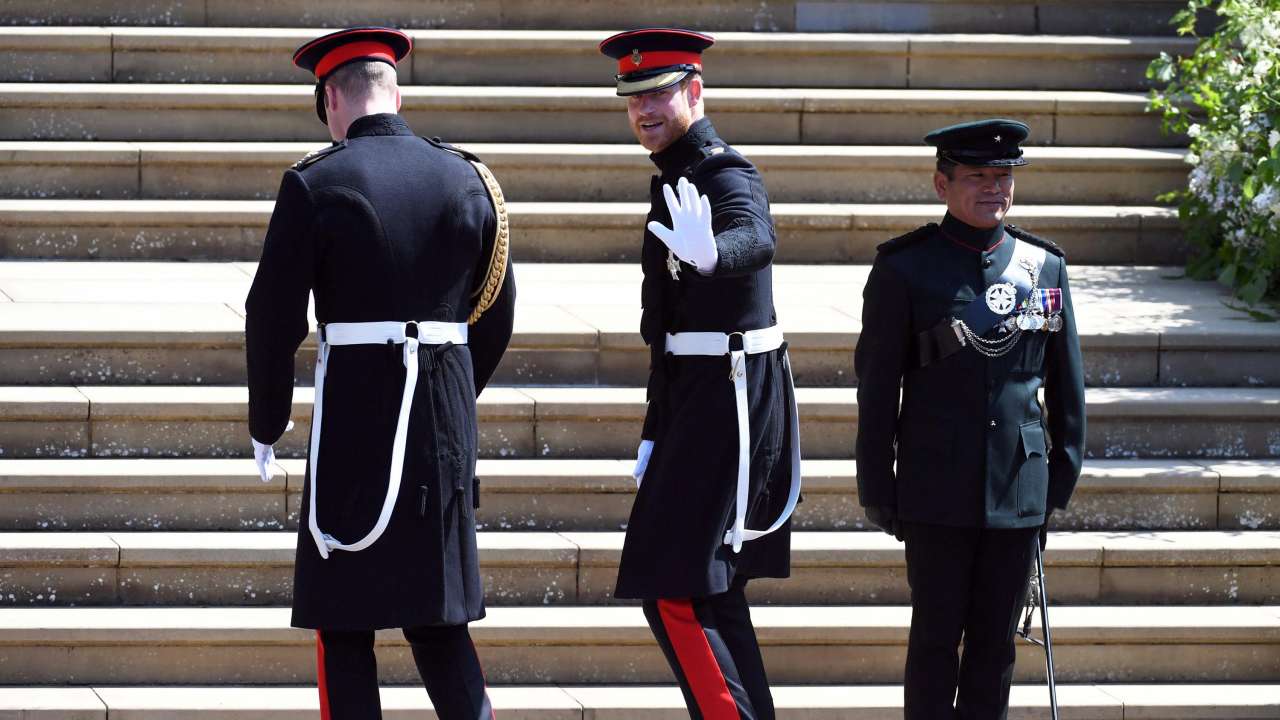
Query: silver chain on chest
column 1003, row 345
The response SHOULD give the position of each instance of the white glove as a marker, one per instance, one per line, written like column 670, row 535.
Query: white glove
column 690, row 236
column 642, row 460
column 265, row 456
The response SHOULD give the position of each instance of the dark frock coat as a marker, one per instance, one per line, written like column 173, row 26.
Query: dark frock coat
column 674, row 543
column 972, row 444
column 383, row 226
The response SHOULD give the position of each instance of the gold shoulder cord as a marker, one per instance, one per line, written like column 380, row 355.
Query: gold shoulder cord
column 487, row 292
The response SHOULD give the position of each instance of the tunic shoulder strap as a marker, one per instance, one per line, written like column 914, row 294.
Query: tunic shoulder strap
column 317, row 155
column 903, row 241
column 464, row 154
column 1036, row 240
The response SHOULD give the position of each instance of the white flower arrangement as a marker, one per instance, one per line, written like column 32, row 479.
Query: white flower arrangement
column 1225, row 98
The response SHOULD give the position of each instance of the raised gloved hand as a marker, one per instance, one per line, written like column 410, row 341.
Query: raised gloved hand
column 690, row 236
column 885, row 517
column 642, row 460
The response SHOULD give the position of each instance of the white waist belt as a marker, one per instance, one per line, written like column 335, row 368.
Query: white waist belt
column 374, row 333
column 754, row 342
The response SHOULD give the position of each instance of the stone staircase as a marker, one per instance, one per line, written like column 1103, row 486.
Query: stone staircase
column 145, row 570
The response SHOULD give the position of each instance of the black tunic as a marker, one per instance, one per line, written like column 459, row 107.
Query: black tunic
column 383, row 226
column 675, row 537
column 969, row 439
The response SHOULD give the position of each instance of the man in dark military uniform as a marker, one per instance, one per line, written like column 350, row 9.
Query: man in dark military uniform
column 404, row 243
column 969, row 318
column 718, row 465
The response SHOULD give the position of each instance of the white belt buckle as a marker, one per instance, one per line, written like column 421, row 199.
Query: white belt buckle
column 411, row 348
column 735, row 366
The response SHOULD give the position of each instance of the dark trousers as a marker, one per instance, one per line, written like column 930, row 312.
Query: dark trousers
column 970, row 584
column 446, row 659
column 711, row 646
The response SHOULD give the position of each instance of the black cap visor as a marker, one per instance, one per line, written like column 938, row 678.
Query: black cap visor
column 639, row 83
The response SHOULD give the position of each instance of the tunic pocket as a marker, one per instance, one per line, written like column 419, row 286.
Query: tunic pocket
column 1033, row 477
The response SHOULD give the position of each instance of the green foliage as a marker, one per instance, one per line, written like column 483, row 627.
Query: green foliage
column 1225, row 97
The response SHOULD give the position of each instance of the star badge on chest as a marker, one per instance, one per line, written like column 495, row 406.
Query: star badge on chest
column 1001, row 298
column 673, row 265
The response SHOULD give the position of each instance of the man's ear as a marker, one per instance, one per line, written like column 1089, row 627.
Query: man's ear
column 940, row 184
column 330, row 98
column 398, row 99
column 695, row 90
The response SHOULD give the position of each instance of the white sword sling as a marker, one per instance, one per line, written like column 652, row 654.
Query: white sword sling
column 754, row 342
column 373, row 333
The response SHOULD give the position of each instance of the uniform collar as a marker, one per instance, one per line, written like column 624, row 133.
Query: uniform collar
column 972, row 238
column 683, row 152
column 378, row 124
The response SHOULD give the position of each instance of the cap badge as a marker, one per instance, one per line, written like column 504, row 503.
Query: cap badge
column 997, row 138
column 636, row 57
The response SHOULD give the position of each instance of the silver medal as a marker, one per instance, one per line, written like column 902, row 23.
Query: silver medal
column 1031, row 321
column 1054, row 323
column 673, row 265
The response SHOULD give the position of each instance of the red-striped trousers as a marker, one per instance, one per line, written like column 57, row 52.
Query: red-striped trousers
column 711, row 646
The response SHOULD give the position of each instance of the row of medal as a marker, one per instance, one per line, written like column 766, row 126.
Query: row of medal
column 1042, row 310
column 1032, row 322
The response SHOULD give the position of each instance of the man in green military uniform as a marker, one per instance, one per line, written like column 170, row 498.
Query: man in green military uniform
column 969, row 318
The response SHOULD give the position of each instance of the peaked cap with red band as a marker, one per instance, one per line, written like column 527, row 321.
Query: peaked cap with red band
column 655, row 58
column 328, row 53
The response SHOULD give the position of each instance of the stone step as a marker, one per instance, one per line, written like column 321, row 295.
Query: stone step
column 70, row 323
column 813, row 116
column 1190, row 701
column 111, row 343
column 585, row 422
column 580, row 173
column 561, row 232
column 239, row 569
column 528, row 569
column 570, row 57
column 153, row 494
column 571, row 645
column 1116, row 17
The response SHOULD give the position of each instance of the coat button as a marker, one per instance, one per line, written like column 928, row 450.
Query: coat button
column 987, row 263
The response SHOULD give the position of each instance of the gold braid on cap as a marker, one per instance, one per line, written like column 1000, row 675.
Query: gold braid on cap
column 487, row 292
